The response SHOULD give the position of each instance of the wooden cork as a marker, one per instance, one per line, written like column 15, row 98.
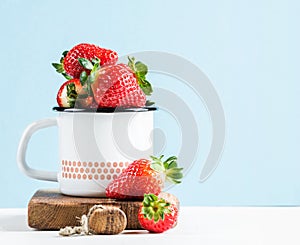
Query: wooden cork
column 106, row 220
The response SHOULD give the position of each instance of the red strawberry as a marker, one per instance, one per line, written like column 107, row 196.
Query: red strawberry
column 71, row 68
column 116, row 85
column 67, row 93
column 143, row 176
column 72, row 94
column 157, row 215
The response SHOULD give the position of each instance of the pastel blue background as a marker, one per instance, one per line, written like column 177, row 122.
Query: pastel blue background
column 249, row 50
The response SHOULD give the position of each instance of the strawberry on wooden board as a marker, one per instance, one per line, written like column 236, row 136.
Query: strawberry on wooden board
column 69, row 65
column 157, row 215
column 144, row 176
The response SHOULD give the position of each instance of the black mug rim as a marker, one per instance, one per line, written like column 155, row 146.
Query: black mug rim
column 105, row 109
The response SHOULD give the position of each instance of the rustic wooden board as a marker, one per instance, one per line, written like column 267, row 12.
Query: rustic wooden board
column 50, row 210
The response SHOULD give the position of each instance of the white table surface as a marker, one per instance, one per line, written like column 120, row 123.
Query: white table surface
column 196, row 225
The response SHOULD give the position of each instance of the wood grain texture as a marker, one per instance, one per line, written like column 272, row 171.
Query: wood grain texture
column 51, row 210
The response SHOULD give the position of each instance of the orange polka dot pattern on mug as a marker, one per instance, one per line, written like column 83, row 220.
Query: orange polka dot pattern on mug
column 91, row 170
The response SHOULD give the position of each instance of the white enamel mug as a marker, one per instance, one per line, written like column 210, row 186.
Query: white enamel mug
column 94, row 147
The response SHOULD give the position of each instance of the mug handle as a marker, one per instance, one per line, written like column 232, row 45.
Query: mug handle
column 22, row 149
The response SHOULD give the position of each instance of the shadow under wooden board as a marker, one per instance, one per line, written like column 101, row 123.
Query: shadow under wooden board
column 51, row 210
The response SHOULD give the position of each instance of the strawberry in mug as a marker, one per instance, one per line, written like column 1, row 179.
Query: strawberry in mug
column 96, row 81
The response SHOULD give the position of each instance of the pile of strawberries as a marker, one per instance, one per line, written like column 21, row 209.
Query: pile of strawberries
column 95, row 80
column 144, row 179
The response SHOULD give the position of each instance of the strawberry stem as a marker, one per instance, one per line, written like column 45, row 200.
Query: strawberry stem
column 85, row 79
column 140, row 70
column 169, row 167
column 59, row 67
column 85, row 63
column 154, row 207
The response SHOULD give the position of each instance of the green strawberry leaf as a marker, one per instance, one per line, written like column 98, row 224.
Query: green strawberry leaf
column 67, row 76
column 91, row 78
column 156, row 217
column 149, row 103
column 172, row 158
column 154, row 158
column 85, row 63
column 96, row 67
column 175, row 181
column 95, row 61
column 154, row 208
column 145, row 86
column 146, row 202
column 141, row 69
column 168, row 168
column 59, row 67
column 157, row 167
column 131, row 63
column 172, row 164
column 174, row 175
column 83, row 78
column 63, row 56
column 65, row 53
